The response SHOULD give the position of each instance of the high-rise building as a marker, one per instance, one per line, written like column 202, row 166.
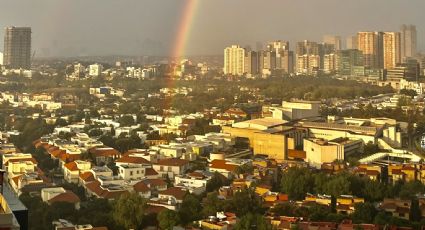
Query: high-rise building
column 251, row 62
column 267, row 60
column 95, row 70
column 278, row 46
column 17, row 47
column 303, row 50
column 284, row 57
column 333, row 40
column 347, row 60
column 287, row 61
column 308, row 64
column 325, row 49
column 307, row 47
column 234, row 57
column 392, row 49
column 371, row 44
column 352, row 42
column 408, row 40
column 330, row 63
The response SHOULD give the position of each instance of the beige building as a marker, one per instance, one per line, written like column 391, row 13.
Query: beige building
column 307, row 64
column 267, row 136
column 370, row 43
column 330, row 63
column 333, row 40
column 294, row 110
column 408, row 41
column 319, row 151
column 392, row 49
column 234, row 60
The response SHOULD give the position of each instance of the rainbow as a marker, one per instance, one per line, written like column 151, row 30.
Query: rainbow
column 183, row 29
column 179, row 45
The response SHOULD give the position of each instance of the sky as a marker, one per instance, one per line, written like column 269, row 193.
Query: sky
column 150, row 27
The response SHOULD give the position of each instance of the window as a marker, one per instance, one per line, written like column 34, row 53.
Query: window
column 131, row 173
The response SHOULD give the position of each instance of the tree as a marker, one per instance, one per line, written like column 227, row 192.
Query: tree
column 190, row 209
column 338, row 185
column 296, row 182
column 410, row 189
column 168, row 219
column 252, row 221
column 364, row 213
column 217, row 180
column 212, row 204
column 129, row 210
column 246, row 201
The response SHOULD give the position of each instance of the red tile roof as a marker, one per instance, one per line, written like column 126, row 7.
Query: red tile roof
column 104, row 151
column 134, row 160
column 176, row 192
column 222, row 164
column 71, row 166
column 68, row 196
column 150, row 172
column 173, row 162
column 155, row 182
column 141, row 187
column 87, row 177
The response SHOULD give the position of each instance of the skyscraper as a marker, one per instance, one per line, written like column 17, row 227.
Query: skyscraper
column 352, row 42
column 333, row 40
column 251, row 62
column 408, row 41
column 347, row 60
column 17, row 47
column 284, row 57
column 392, row 49
column 234, row 57
column 371, row 44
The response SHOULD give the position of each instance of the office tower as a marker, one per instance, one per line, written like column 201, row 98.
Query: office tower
column 17, row 47
column 347, row 60
column 234, row 57
column 303, row 51
column 333, row 40
column 278, row 46
column 284, row 57
column 391, row 49
column 267, row 60
column 308, row 64
column 307, row 47
column 371, row 44
column 287, row 61
column 352, row 42
column 330, row 63
column 408, row 40
column 251, row 62
column 324, row 49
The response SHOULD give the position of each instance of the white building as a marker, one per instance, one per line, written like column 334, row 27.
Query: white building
column 95, row 70
column 234, row 60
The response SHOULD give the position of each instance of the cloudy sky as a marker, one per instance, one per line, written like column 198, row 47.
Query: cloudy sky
column 146, row 27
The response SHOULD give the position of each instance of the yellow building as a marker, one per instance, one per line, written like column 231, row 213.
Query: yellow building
column 267, row 136
column 392, row 49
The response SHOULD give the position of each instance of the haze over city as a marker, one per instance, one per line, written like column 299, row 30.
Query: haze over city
column 212, row 115
column 133, row 27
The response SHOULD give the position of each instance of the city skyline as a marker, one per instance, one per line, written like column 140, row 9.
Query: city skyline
column 57, row 31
